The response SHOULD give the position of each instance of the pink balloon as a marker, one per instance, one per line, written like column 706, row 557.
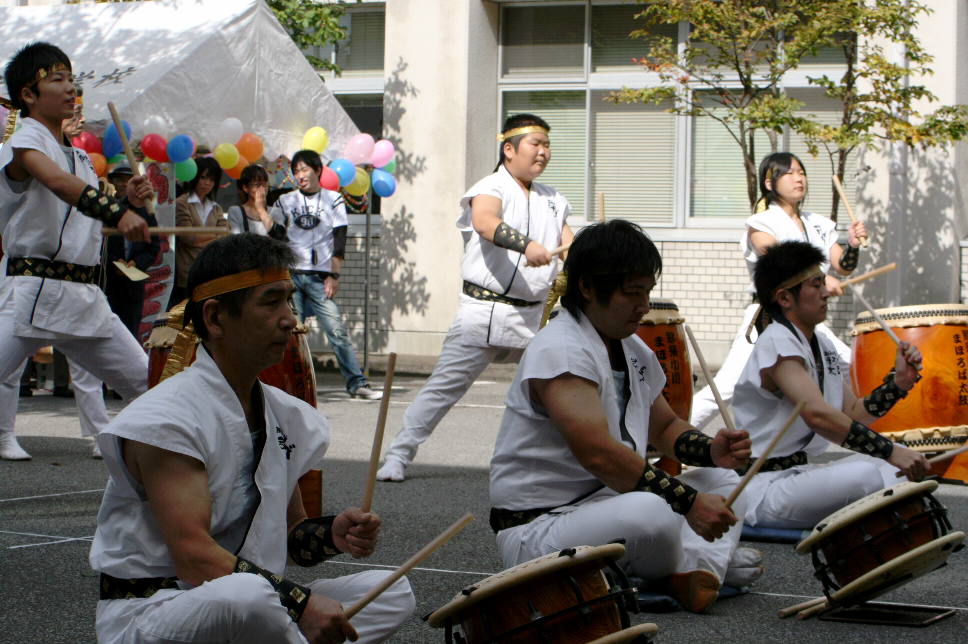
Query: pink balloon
column 382, row 153
column 328, row 180
column 359, row 149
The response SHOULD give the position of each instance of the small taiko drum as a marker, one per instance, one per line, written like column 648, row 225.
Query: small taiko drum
column 879, row 542
column 940, row 399
column 575, row 596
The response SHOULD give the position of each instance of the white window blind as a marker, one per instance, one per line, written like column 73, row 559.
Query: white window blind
column 565, row 113
column 612, row 48
column 633, row 161
column 361, row 54
column 543, row 41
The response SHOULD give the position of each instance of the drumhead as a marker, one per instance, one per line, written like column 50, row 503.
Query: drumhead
column 520, row 574
column 629, row 634
column 662, row 311
column 908, row 316
column 861, row 508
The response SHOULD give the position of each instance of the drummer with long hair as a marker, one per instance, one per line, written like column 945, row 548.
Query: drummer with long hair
column 779, row 216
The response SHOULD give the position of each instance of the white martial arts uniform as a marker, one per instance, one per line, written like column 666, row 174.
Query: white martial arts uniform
column 822, row 233
column 196, row 413
column 799, row 497
column 485, row 332
column 534, row 468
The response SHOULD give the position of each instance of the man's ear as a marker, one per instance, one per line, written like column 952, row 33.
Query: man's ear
column 212, row 318
column 785, row 299
column 586, row 290
column 28, row 96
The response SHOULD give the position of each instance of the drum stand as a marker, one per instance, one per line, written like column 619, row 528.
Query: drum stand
column 888, row 614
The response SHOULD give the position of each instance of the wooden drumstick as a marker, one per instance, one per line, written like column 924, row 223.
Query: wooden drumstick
column 126, row 145
column 850, row 211
column 761, row 459
column 177, row 230
column 796, row 608
column 711, row 381
column 877, row 318
column 422, row 554
column 381, row 424
column 866, row 276
column 940, row 458
column 560, row 249
column 816, row 609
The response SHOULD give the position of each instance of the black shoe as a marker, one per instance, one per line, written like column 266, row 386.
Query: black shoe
column 26, row 392
column 63, row 392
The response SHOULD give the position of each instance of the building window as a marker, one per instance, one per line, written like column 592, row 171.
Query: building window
column 361, row 54
column 543, row 41
column 612, row 48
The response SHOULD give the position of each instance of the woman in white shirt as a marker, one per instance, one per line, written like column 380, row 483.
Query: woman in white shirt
column 252, row 215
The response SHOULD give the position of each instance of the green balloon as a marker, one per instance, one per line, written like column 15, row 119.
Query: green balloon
column 186, row 170
column 117, row 158
column 390, row 167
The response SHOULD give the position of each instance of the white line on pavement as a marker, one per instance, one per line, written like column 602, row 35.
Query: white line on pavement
column 47, row 496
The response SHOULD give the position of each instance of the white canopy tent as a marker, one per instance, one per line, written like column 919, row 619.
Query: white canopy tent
column 191, row 62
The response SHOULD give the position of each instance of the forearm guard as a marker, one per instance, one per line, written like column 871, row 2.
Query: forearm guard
column 98, row 205
column 694, row 448
column 864, row 440
column 292, row 596
column 880, row 401
column 507, row 237
column 311, row 542
column 676, row 493
column 848, row 261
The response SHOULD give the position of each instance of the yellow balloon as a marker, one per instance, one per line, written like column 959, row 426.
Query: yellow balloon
column 316, row 139
column 227, row 155
column 360, row 185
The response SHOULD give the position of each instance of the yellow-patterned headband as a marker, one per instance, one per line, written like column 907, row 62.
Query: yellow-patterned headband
column 525, row 129
column 237, row 282
column 799, row 278
column 43, row 72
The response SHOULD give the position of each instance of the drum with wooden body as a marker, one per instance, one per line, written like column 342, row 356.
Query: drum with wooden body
column 940, row 399
column 575, row 596
column 879, row 542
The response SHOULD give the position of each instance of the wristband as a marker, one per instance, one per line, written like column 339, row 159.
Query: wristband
column 848, row 261
column 507, row 237
column 335, row 276
column 694, row 448
column 311, row 542
column 676, row 493
column 864, row 440
column 292, row 596
column 885, row 396
column 98, row 205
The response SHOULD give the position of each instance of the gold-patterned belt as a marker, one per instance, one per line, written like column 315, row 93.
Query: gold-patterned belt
column 115, row 588
column 487, row 295
column 777, row 463
column 50, row 268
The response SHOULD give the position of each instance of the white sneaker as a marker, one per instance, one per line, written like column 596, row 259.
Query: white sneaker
column 10, row 449
column 96, row 452
column 367, row 393
column 745, row 567
column 392, row 470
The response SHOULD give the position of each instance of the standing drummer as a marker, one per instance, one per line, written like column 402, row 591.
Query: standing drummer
column 790, row 363
column 510, row 223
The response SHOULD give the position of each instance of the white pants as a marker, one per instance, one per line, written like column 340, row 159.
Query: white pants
column 244, row 608
column 704, row 408
column 658, row 542
column 802, row 496
column 457, row 368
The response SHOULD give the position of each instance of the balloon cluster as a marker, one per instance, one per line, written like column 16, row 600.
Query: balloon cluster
column 109, row 150
column 238, row 147
column 350, row 171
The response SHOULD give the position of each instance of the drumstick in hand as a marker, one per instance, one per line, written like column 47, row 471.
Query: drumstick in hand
column 126, row 145
column 761, row 459
column 951, row 453
column 381, row 423
column 422, row 554
column 176, row 230
column 877, row 318
column 866, row 276
column 850, row 211
column 711, row 381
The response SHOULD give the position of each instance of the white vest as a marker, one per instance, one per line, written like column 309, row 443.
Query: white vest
column 820, row 231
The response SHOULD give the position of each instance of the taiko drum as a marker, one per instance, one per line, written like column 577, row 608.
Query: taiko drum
column 663, row 331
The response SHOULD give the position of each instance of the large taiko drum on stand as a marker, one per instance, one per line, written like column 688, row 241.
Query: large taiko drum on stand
column 938, row 405
column 576, row 596
column 879, row 542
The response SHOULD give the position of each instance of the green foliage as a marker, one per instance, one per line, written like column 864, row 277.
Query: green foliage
column 311, row 24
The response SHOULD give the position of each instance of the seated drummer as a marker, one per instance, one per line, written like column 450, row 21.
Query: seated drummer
column 202, row 509
column 569, row 467
column 791, row 363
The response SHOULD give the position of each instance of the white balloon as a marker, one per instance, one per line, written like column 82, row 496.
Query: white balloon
column 230, row 130
column 157, row 124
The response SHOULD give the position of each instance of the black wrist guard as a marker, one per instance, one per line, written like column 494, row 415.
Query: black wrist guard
column 880, row 401
column 693, row 448
column 507, row 237
column 848, row 261
column 864, row 440
column 311, row 541
column 676, row 493
column 98, row 205
column 292, row 596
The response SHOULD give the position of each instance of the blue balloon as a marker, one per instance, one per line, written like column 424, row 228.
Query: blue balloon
column 180, row 148
column 383, row 183
column 345, row 170
column 112, row 142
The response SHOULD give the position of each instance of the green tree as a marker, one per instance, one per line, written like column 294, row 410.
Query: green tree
column 311, row 24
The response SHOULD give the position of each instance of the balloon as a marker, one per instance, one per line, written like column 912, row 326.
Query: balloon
column 111, row 147
column 100, row 163
column 236, row 171
column 112, row 140
column 186, row 170
column 155, row 146
column 359, row 149
column 360, row 184
column 230, row 130
column 87, row 142
column 383, row 183
column 345, row 170
column 227, row 155
column 315, row 138
column 383, row 152
column 390, row 167
column 117, row 158
column 329, row 180
column 250, row 146
column 158, row 124
column 180, row 148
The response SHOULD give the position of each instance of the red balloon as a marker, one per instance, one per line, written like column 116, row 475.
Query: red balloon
column 87, row 142
column 329, row 180
column 155, row 146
